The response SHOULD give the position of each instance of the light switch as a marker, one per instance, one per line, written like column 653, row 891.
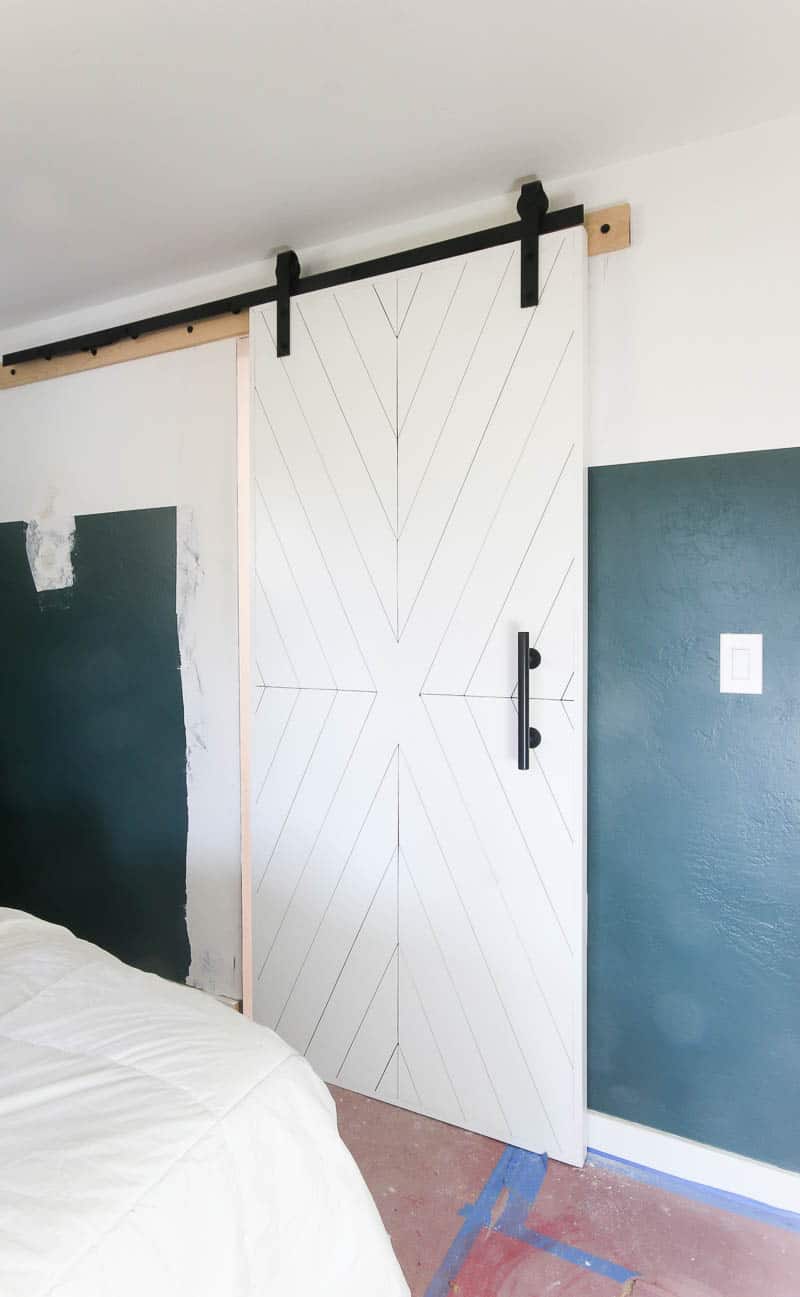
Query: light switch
column 740, row 664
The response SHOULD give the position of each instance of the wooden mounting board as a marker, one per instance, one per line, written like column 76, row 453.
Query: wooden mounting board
column 609, row 229
column 150, row 344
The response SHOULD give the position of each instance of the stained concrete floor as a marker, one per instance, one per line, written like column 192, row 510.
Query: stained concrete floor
column 578, row 1233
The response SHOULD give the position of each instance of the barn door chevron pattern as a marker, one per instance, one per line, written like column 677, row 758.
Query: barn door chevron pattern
column 417, row 904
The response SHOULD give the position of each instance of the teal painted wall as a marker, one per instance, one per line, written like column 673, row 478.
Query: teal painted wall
column 93, row 815
column 694, row 801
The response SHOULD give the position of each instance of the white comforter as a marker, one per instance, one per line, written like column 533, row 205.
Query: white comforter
column 155, row 1144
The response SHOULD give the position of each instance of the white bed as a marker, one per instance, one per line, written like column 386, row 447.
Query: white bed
column 155, row 1144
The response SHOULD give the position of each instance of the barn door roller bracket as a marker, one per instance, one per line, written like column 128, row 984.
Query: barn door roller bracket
column 287, row 273
column 532, row 205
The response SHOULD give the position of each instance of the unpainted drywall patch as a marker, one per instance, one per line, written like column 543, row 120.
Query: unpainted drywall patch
column 49, row 544
column 189, row 576
column 207, row 968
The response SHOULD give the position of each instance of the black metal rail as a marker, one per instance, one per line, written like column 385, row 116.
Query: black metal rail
column 534, row 222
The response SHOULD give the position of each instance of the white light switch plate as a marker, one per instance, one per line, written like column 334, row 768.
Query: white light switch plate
column 740, row 664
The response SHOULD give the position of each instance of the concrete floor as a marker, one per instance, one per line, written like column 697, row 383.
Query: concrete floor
column 534, row 1228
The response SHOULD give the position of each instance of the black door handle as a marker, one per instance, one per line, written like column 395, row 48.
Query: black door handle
column 527, row 737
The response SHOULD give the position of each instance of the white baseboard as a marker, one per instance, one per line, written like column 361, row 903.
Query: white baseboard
column 700, row 1163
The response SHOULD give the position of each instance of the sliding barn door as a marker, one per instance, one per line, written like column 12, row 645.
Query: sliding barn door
column 417, row 899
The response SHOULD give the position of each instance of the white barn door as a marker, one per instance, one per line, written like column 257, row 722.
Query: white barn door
column 418, row 901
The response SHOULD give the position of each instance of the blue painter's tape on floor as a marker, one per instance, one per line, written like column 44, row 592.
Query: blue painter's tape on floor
column 477, row 1216
column 732, row 1202
column 575, row 1255
column 524, row 1178
column 521, row 1175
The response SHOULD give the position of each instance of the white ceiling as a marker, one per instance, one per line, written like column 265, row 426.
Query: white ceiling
column 145, row 141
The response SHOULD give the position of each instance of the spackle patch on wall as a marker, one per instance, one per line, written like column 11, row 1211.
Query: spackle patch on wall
column 189, row 576
column 49, row 545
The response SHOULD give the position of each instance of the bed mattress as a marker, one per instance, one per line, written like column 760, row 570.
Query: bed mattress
column 153, row 1143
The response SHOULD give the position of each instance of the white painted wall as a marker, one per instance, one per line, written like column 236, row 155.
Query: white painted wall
column 692, row 332
column 159, row 433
